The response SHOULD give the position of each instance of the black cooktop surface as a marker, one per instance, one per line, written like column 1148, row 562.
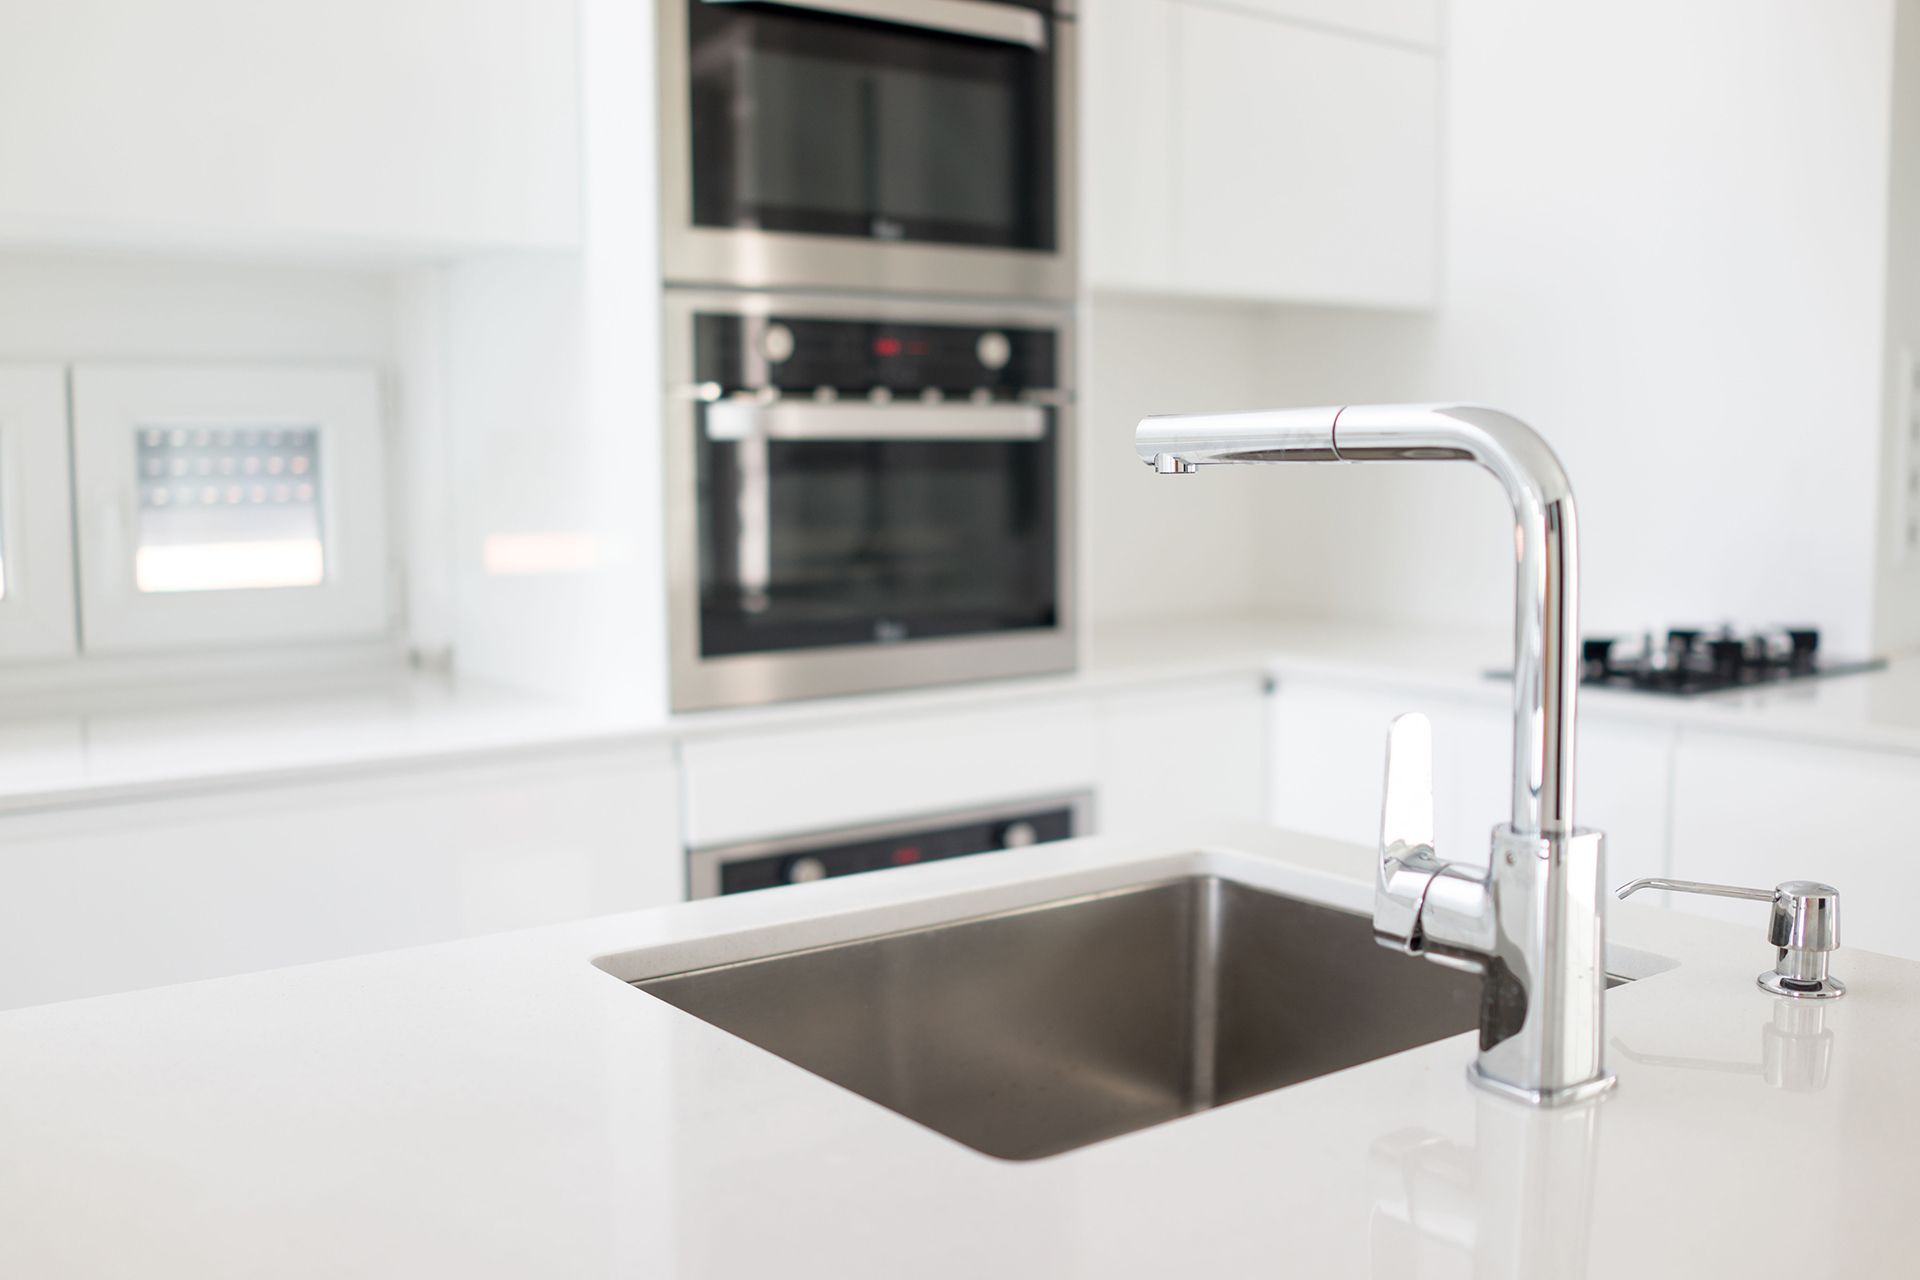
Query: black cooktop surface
column 1686, row 661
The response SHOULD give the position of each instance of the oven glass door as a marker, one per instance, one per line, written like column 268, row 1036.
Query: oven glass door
column 858, row 524
column 810, row 120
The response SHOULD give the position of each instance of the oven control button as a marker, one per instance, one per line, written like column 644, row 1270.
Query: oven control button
column 881, row 395
column 804, row 870
column 993, row 349
column 776, row 344
column 1018, row 835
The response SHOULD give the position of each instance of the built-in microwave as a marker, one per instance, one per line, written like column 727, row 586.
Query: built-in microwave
column 864, row 494
column 913, row 145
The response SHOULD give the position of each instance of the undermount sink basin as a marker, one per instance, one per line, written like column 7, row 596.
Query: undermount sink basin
column 1035, row 1031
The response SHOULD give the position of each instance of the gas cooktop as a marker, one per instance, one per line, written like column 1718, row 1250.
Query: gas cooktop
column 1688, row 660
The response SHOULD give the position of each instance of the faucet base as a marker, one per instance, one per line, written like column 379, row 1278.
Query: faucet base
column 1570, row 1096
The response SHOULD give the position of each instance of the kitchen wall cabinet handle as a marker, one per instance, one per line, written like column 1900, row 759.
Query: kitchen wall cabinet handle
column 1006, row 23
column 743, row 419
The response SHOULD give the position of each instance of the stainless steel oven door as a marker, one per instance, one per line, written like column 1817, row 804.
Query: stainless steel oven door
column 905, row 145
column 821, row 548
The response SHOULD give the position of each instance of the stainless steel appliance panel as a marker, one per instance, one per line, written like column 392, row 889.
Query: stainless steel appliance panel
column 709, row 669
column 913, row 252
column 762, row 864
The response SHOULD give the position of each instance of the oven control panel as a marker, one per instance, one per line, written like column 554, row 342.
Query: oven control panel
column 737, row 870
column 800, row 355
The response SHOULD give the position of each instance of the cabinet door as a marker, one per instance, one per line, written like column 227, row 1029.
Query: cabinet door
column 36, row 523
column 363, row 123
column 123, row 896
column 1306, row 163
column 1755, row 811
column 1182, row 754
column 1329, row 757
column 774, row 783
column 1412, row 21
column 1127, row 128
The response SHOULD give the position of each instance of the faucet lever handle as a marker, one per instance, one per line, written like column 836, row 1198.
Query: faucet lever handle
column 1804, row 925
column 1407, row 862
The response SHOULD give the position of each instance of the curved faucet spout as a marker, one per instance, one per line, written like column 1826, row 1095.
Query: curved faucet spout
column 1530, row 923
column 1546, row 622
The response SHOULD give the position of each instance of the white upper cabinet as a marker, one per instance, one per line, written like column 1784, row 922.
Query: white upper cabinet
column 1412, row 21
column 1234, row 154
column 1127, row 143
column 387, row 125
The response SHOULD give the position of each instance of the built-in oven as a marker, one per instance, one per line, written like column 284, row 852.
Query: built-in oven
column 864, row 494
column 913, row 145
column 764, row 864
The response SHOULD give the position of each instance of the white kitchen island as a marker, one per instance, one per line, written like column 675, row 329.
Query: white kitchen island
column 503, row 1107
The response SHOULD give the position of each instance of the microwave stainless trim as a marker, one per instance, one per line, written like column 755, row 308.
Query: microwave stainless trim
column 750, row 679
column 694, row 255
column 704, row 866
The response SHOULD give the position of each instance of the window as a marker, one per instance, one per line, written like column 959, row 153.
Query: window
column 226, row 508
column 228, row 505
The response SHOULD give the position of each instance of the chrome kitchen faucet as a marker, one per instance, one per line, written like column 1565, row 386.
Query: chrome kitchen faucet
column 1531, row 925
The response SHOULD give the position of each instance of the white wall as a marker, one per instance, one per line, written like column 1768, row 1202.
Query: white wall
column 1156, row 545
column 1897, row 611
column 1663, row 248
column 1664, row 238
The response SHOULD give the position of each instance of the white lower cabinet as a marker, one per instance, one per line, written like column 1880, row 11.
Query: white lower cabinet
column 1756, row 811
column 1185, row 753
column 1189, row 749
column 1328, row 758
column 119, row 896
column 770, row 783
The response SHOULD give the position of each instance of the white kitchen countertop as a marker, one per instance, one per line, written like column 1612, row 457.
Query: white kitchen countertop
column 503, row 1108
column 50, row 759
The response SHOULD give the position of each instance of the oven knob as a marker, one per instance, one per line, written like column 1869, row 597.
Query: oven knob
column 776, row 344
column 1018, row 835
column 993, row 349
column 804, row 870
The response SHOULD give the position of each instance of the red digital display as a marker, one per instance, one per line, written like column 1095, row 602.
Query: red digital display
column 886, row 346
column 905, row 854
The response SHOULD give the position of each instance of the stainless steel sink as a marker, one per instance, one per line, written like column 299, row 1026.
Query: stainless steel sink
column 1035, row 1031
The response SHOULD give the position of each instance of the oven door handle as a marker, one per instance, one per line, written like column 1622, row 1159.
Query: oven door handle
column 744, row 419
column 1007, row 23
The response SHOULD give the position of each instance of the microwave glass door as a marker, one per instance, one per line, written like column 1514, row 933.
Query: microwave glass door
column 815, row 540
column 809, row 121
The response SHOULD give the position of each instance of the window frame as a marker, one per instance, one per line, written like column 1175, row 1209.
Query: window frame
column 111, row 402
